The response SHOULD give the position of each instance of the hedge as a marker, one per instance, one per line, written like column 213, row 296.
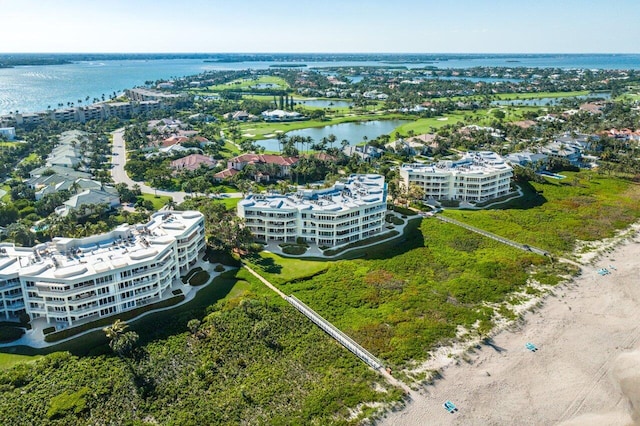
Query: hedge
column 9, row 334
column 103, row 322
column 199, row 278
column 366, row 241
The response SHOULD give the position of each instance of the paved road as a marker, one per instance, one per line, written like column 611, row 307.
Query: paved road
column 119, row 175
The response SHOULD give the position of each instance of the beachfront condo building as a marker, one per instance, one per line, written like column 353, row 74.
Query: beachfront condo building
column 477, row 176
column 69, row 281
column 348, row 211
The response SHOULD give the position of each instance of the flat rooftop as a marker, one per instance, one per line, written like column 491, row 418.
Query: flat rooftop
column 481, row 162
column 77, row 257
column 354, row 191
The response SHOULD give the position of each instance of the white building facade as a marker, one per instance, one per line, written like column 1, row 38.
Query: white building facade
column 74, row 280
column 348, row 211
column 477, row 176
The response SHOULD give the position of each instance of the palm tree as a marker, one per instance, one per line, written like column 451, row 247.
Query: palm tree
column 120, row 341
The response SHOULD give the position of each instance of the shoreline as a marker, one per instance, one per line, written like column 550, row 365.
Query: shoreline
column 585, row 329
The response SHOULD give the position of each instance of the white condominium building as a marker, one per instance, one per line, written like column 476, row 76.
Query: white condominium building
column 74, row 280
column 478, row 176
column 348, row 211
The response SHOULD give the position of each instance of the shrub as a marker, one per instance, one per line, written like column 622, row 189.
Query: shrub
column 393, row 219
column 9, row 334
column 199, row 278
column 294, row 249
column 68, row 403
column 48, row 330
column 403, row 210
column 219, row 268
column 450, row 203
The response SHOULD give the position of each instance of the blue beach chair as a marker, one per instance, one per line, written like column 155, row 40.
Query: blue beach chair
column 531, row 347
column 450, row 407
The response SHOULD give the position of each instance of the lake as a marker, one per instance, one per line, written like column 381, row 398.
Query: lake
column 323, row 103
column 352, row 132
column 33, row 88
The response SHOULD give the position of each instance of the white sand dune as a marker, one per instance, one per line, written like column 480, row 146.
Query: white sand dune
column 584, row 372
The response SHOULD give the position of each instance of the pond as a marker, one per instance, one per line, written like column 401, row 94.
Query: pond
column 323, row 103
column 352, row 132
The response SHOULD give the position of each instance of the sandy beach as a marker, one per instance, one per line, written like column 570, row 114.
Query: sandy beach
column 586, row 371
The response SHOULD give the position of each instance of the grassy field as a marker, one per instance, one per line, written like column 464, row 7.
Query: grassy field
column 158, row 201
column 480, row 117
column 8, row 360
column 279, row 270
column 8, row 144
column 514, row 96
column 539, row 95
column 247, row 84
column 30, row 158
column 6, row 197
column 229, row 203
column 584, row 206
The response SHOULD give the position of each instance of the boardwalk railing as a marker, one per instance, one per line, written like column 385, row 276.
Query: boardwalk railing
column 332, row 331
column 493, row 236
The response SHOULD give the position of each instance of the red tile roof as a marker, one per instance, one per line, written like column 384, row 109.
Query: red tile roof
column 264, row 158
column 226, row 173
column 193, row 162
column 174, row 140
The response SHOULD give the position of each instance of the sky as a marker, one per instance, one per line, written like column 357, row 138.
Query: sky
column 394, row 26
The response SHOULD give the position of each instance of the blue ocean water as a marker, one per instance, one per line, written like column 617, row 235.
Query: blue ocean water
column 34, row 88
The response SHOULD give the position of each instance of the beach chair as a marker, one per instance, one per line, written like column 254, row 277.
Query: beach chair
column 450, row 407
column 531, row 347
column 612, row 267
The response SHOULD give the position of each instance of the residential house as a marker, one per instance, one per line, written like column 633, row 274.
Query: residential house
column 193, row 162
column 280, row 115
column 268, row 166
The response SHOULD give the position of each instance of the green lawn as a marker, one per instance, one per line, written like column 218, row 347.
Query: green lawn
column 158, row 201
column 278, row 269
column 513, row 96
column 8, row 144
column 482, row 117
column 7, row 197
column 229, row 203
column 30, row 158
column 538, row 95
column 247, row 84
column 9, row 360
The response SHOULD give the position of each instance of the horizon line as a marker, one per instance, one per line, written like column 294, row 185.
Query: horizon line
column 316, row 53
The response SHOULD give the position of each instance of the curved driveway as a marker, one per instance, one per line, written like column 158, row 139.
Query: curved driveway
column 119, row 175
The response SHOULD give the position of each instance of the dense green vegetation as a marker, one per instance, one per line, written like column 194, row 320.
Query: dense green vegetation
column 584, row 206
column 409, row 295
column 251, row 360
